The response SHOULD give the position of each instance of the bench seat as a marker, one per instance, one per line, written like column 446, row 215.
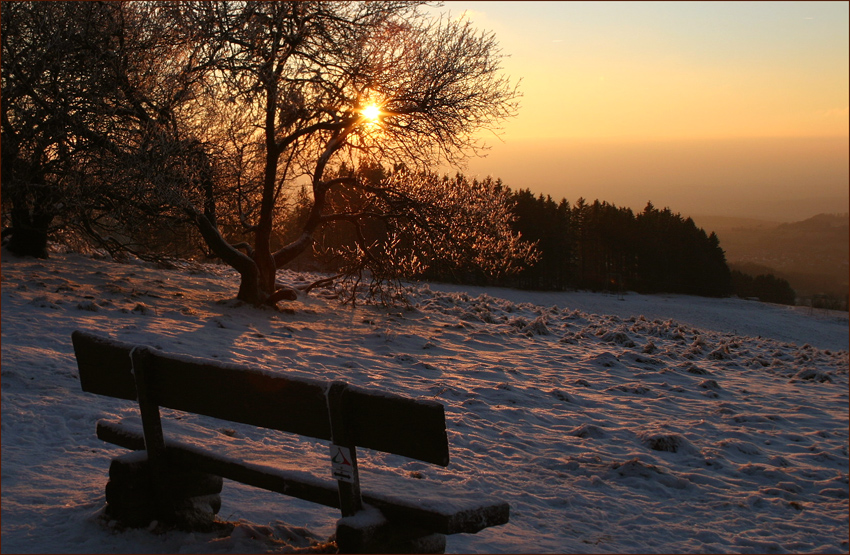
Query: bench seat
column 438, row 509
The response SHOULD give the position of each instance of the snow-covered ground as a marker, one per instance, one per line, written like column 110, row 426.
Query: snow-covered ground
column 630, row 424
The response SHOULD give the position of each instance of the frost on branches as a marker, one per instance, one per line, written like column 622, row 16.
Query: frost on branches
column 417, row 224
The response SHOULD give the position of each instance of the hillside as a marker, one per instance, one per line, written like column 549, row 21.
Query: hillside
column 811, row 254
column 633, row 424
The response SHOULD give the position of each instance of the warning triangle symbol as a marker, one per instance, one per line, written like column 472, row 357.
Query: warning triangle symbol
column 339, row 458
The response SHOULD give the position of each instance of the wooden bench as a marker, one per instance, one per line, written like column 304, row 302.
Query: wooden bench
column 178, row 483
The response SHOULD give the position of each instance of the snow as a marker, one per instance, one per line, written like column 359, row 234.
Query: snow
column 610, row 423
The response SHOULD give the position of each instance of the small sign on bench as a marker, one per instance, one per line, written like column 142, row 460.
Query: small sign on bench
column 341, row 466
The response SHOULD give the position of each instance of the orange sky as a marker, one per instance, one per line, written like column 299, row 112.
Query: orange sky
column 726, row 108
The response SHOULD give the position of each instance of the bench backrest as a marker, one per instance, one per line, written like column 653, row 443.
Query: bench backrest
column 380, row 421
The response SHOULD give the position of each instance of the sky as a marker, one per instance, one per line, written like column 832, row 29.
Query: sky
column 720, row 108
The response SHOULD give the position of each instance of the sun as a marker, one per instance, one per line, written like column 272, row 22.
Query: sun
column 371, row 112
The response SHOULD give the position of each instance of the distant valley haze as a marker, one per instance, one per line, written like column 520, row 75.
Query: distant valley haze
column 774, row 179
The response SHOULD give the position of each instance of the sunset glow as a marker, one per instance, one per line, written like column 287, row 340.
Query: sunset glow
column 632, row 101
column 371, row 113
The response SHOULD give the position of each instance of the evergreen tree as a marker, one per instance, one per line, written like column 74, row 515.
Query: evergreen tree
column 765, row 287
column 600, row 246
column 541, row 221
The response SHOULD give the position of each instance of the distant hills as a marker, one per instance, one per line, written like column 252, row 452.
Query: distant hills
column 811, row 254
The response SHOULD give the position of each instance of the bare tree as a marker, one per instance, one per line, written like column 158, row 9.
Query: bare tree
column 94, row 96
column 50, row 94
column 301, row 77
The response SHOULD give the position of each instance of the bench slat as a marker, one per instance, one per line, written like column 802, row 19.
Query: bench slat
column 242, row 395
column 392, row 424
column 386, row 422
column 104, row 365
column 446, row 514
column 204, row 387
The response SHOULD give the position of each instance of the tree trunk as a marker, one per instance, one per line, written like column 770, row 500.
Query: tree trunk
column 263, row 259
column 29, row 232
column 249, row 287
column 266, row 272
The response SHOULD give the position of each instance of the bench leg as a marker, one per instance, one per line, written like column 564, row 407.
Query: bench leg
column 193, row 497
column 369, row 532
